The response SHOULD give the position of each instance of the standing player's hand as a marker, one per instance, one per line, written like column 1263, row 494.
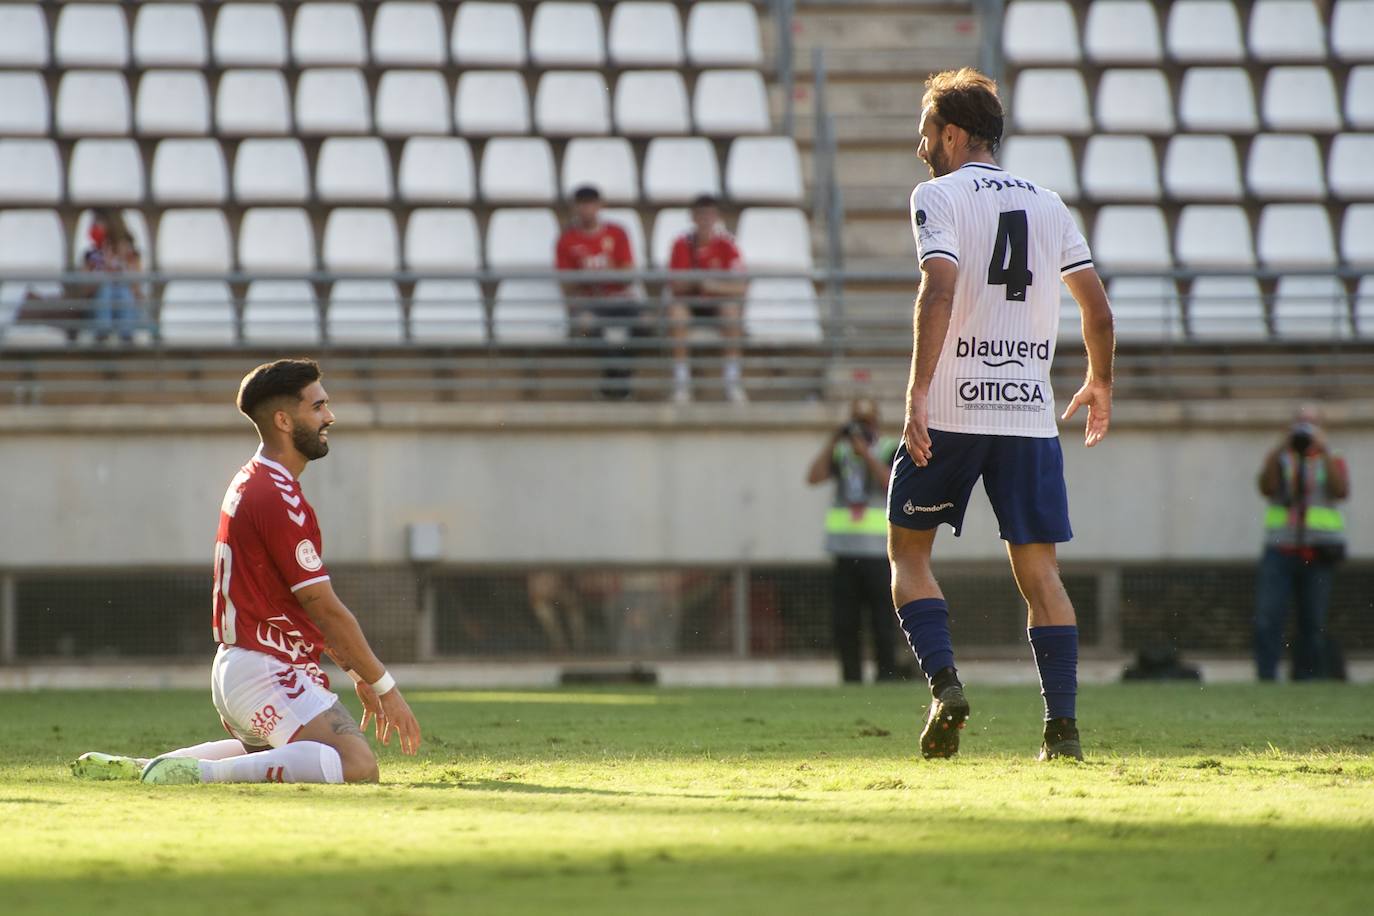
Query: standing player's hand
column 1097, row 397
column 397, row 717
column 372, row 707
column 915, row 433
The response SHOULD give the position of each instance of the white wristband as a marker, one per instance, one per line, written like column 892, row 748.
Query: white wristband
column 384, row 684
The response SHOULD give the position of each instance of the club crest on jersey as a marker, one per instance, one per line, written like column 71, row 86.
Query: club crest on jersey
column 308, row 557
column 920, row 217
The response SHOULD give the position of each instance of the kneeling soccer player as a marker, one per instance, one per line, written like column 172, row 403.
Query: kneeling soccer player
column 275, row 612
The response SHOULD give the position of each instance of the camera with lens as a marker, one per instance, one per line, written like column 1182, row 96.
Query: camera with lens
column 1301, row 437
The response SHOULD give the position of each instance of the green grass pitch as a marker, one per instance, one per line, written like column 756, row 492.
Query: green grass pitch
column 1217, row 799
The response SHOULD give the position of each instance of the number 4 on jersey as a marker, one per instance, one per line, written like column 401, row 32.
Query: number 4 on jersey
column 1009, row 255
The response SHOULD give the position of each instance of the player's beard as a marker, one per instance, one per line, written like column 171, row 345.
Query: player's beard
column 936, row 163
column 310, row 443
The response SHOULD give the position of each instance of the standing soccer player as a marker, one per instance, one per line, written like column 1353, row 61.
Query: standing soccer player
column 992, row 249
column 275, row 612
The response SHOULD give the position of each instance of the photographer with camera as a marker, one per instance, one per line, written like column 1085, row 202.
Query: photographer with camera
column 1304, row 539
column 859, row 461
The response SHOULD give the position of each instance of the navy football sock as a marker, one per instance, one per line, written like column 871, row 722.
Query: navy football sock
column 925, row 622
column 1056, row 657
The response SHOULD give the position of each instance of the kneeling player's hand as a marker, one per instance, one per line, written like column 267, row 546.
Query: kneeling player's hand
column 372, row 708
column 397, row 717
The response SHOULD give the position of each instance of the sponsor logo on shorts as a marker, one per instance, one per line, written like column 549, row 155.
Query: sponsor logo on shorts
column 1005, row 352
column 308, row 556
column 265, row 721
column 1022, row 394
column 911, row 508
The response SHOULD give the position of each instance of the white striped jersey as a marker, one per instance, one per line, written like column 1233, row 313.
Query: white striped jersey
column 1012, row 240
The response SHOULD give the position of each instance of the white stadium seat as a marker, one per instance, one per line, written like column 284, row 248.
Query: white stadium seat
column 1202, row 167
column 1120, row 168
column 23, row 35
column 276, row 240
column 564, row 34
column 774, row 238
column 278, row 312
column 1364, row 306
column 491, row 102
column 1301, row 98
column 197, row 313
column 105, row 172
column 572, row 104
column 778, row 310
column 1359, row 98
column 1349, row 172
column 353, row 169
column 1131, row 238
column 252, row 103
column 436, row 169
column 250, row 35
column 31, row 241
column 365, row 312
column 447, row 312
column 172, row 103
column 1296, row 235
column 328, row 35
column 92, row 102
column 645, row 34
column 764, row 170
column 170, row 35
column 1046, row 161
column 30, row 172
column 91, row 35
column 1285, row 167
column 1226, row 308
column 488, row 35
column 529, row 311
column 606, row 163
column 411, row 102
column 189, row 172
column 1311, row 308
column 651, row 104
column 724, row 35
column 332, row 102
column 521, row 238
column 729, row 102
column 1213, row 236
column 669, row 223
column 138, row 229
column 1040, row 32
column 518, row 170
column 1051, row 101
column 628, row 220
column 25, row 112
column 1204, row 31
column 194, row 242
column 1217, row 99
column 442, row 240
column 1287, row 30
column 408, row 34
column 1352, row 30
column 1135, row 101
column 678, row 169
column 1357, row 236
column 1125, row 32
column 1145, row 308
column 271, row 171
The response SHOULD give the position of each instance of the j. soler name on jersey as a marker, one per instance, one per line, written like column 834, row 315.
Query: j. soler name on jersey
column 1001, row 394
column 1005, row 183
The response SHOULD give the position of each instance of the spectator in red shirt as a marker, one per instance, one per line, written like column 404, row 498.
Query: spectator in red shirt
column 599, row 309
column 706, row 247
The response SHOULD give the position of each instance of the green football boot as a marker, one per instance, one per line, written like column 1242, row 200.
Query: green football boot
column 95, row 765
column 172, row 771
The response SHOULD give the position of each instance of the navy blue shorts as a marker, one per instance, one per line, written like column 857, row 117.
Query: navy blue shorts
column 1023, row 477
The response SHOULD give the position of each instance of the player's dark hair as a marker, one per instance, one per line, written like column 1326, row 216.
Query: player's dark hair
column 585, row 194
column 269, row 383
column 967, row 99
column 705, row 200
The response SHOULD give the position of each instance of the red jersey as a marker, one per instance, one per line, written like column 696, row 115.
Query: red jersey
column 718, row 252
column 268, row 548
column 606, row 248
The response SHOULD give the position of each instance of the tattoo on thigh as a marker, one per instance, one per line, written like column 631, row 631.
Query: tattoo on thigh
column 342, row 723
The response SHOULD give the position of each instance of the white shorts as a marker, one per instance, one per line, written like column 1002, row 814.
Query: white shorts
column 263, row 700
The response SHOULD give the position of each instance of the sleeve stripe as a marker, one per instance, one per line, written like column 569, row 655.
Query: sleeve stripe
column 940, row 252
column 300, row 585
column 1076, row 265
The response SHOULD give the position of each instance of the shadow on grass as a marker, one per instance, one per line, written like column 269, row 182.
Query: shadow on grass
column 531, row 788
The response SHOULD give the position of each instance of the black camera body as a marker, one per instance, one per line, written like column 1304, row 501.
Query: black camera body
column 1301, row 437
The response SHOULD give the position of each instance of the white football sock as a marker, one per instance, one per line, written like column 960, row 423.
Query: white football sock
column 211, row 750
column 732, row 373
column 682, row 374
column 302, row 761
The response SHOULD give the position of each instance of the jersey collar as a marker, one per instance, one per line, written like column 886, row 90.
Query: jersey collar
column 982, row 165
column 268, row 462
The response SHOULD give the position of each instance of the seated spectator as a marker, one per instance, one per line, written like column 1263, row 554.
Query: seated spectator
column 600, row 309
column 112, row 252
column 706, row 247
